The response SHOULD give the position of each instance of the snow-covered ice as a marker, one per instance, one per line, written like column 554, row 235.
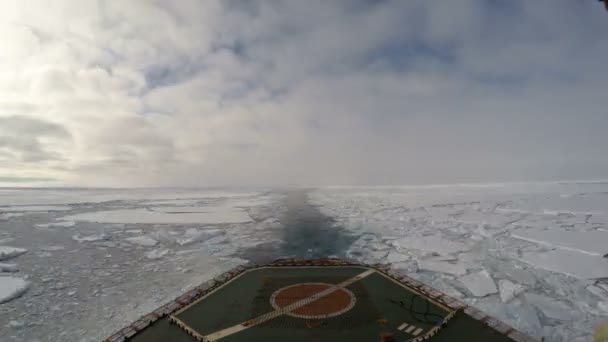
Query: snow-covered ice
column 7, row 252
column 480, row 284
column 11, row 288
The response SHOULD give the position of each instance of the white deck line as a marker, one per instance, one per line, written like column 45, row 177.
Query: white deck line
column 402, row 326
column 293, row 306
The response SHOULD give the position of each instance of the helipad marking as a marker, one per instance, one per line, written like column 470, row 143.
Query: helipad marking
column 273, row 314
column 349, row 306
column 402, row 326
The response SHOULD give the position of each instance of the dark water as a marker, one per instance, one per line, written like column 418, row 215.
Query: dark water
column 305, row 233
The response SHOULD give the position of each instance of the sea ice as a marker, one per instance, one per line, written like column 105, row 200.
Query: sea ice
column 11, row 288
column 157, row 253
column 7, row 252
column 480, row 284
column 509, row 290
column 432, row 243
column 550, row 307
column 442, row 267
column 193, row 235
column 568, row 262
column 590, row 242
column 148, row 216
column 395, row 257
column 145, row 241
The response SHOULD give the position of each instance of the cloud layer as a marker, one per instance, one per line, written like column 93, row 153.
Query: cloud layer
column 205, row 93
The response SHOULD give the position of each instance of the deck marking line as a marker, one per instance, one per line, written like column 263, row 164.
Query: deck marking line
column 402, row 326
column 409, row 330
column 417, row 332
column 293, row 306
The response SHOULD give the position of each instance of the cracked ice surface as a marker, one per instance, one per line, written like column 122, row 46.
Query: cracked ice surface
column 88, row 270
column 529, row 254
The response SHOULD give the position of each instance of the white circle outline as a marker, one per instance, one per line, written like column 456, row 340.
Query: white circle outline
column 351, row 304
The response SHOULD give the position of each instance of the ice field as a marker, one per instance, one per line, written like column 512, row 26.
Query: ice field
column 77, row 264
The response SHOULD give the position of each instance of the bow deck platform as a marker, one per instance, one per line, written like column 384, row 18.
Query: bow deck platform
column 318, row 300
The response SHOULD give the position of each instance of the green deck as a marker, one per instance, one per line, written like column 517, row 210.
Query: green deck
column 382, row 305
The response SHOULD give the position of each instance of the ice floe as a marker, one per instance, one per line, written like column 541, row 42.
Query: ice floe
column 11, row 288
column 568, row 262
column 480, row 284
column 7, row 252
column 442, row 267
column 589, row 242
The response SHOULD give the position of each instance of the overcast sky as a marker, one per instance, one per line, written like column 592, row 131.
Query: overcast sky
column 211, row 93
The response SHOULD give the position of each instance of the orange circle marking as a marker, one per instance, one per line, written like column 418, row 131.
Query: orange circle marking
column 336, row 303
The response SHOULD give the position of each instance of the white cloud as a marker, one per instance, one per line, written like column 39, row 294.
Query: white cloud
column 301, row 92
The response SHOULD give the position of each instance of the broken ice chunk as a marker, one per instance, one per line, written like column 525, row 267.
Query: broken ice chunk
column 480, row 284
column 509, row 290
column 7, row 252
